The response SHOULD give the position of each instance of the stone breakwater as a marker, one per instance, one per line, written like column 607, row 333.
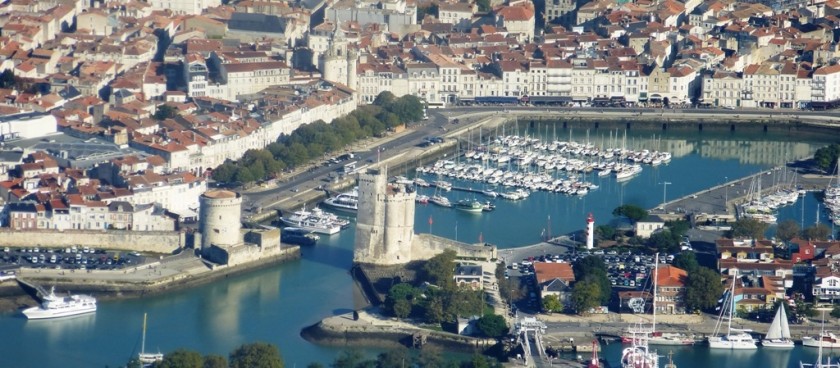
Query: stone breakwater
column 375, row 331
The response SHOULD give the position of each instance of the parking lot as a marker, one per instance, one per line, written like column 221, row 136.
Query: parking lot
column 73, row 258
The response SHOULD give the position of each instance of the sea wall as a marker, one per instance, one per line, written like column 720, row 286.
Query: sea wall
column 164, row 242
column 425, row 246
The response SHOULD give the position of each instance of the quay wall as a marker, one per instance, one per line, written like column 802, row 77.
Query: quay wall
column 164, row 242
column 389, row 335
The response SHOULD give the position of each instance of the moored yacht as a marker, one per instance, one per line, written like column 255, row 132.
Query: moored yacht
column 734, row 339
column 54, row 306
column 422, row 199
column 825, row 340
column 348, row 201
column 440, row 201
column 298, row 236
column 316, row 221
column 469, row 205
column 778, row 335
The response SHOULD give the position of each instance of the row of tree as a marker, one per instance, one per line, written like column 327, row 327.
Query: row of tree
column 313, row 141
column 264, row 355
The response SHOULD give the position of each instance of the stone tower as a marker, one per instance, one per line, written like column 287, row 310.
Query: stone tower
column 385, row 220
column 352, row 74
column 333, row 63
column 219, row 218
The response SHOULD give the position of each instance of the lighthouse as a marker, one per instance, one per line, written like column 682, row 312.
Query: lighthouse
column 590, row 232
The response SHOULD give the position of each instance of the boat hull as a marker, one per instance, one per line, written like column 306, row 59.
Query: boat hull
column 720, row 343
column 331, row 230
column 777, row 344
column 40, row 313
column 814, row 343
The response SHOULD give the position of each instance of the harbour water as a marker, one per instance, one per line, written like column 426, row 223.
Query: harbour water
column 272, row 305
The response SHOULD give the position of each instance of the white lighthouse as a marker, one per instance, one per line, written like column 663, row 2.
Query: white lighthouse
column 590, row 232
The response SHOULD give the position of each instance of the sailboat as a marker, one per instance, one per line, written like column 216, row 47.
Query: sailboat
column 819, row 363
column 146, row 359
column 778, row 336
column 735, row 339
column 638, row 355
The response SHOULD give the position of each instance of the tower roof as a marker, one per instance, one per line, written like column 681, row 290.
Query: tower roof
column 220, row 194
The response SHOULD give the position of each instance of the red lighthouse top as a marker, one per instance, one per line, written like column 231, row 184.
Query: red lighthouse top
column 590, row 219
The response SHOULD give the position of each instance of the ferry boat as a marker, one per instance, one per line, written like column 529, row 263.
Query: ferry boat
column 54, row 306
column 348, row 201
column 469, row 205
column 316, row 221
column 440, row 201
column 298, row 236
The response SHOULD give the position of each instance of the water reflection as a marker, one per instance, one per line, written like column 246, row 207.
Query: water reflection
column 225, row 305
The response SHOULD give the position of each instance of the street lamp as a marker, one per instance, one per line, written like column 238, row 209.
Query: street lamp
column 664, row 192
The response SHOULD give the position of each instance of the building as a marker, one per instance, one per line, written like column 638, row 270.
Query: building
column 219, row 219
column 338, row 63
column 385, row 220
column 644, row 228
column 469, row 276
column 555, row 279
column 27, row 125
column 189, row 7
column 670, row 290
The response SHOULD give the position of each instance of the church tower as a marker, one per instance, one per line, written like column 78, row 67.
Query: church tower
column 333, row 63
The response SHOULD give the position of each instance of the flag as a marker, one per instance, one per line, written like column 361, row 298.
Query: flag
column 430, row 219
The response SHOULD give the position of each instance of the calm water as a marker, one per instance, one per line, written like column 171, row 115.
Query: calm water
column 272, row 305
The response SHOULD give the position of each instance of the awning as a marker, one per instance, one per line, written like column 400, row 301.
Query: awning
column 550, row 99
column 185, row 214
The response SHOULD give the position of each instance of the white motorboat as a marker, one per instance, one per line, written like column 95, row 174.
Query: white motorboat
column 734, row 339
column 628, row 172
column 316, row 221
column 348, row 201
column 443, row 185
column 490, row 193
column 422, row 199
column 54, row 306
column 778, row 335
column 824, row 340
column 819, row 363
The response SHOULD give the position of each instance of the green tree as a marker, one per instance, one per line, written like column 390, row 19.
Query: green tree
column 351, row 359
column 215, row 361
column 664, row 241
column 632, row 212
column 165, row 112
column 463, row 303
column 816, row 232
column 483, row 5
column 787, row 230
column 686, row 261
column 7, row 79
column 835, row 312
column 440, row 269
column 256, row 355
column 605, row 231
column 434, row 308
column 400, row 299
column 394, row 358
column 225, row 172
column 182, row 358
column 826, row 157
column 430, row 10
column 430, row 357
column 585, row 296
column 492, row 325
column 702, row 289
column 244, row 176
column 593, row 269
column 551, row 303
column 749, row 227
column 384, row 99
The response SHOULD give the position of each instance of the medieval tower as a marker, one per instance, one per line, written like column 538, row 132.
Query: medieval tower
column 338, row 63
column 385, row 220
column 219, row 218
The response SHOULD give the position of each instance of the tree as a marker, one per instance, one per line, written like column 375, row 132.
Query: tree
column 605, row 231
column 686, row 261
column 826, row 157
column 664, row 241
column 430, row 357
column 463, row 303
column 224, row 173
column 399, row 300
column 256, row 355
column 749, row 227
column 632, row 212
column 440, row 269
column 395, row 358
column 492, row 325
column 835, row 312
column 434, row 310
column 551, row 303
column 215, row 361
column 350, row 359
column 430, row 10
column 483, row 5
column 816, row 232
column 244, row 175
column 702, row 289
column 7, row 79
column 384, row 99
column 787, row 230
column 593, row 269
column 165, row 112
column 585, row 296
column 182, row 358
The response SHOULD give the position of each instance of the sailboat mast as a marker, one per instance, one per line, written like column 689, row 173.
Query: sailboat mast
column 143, row 341
column 655, row 280
column 731, row 307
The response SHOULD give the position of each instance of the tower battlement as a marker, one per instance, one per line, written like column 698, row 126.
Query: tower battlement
column 385, row 220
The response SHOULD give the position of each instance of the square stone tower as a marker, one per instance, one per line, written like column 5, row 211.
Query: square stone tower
column 385, row 220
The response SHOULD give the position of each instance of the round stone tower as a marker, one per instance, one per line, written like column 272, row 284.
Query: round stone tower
column 352, row 62
column 219, row 219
